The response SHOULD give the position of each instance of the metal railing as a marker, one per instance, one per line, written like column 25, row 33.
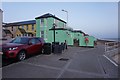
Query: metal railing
column 111, row 48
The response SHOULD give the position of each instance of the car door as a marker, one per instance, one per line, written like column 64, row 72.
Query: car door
column 38, row 45
column 34, row 47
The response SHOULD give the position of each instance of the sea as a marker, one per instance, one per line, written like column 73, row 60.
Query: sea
column 112, row 39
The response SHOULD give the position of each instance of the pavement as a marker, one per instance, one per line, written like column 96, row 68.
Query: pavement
column 76, row 62
column 116, row 58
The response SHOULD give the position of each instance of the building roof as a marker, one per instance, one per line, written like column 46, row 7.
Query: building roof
column 22, row 30
column 78, row 31
column 27, row 22
column 7, row 31
column 58, row 29
column 19, row 23
column 49, row 15
column 10, row 24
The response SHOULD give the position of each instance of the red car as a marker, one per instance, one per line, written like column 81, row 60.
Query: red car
column 20, row 47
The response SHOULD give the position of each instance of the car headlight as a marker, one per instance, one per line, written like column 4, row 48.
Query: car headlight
column 14, row 48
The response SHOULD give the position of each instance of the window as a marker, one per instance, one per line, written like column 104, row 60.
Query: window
column 32, row 27
column 23, row 26
column 64, row 25
column 42, row 22
column 42, row 34
column 34, row 41
column 20, row 40
column 37, row 41
column 12, row 28
column 26, row 27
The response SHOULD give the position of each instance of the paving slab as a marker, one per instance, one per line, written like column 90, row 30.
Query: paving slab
column 88, row 64
column 22, row 70
column 77, row 74
column 47, row 60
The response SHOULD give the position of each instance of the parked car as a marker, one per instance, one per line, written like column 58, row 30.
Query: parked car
column 21, row 47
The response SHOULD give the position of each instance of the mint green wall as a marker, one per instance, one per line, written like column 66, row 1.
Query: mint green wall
column 77, row 35
column 37, row 28
column 60, row 36
column 70, row 37
column 63, row 35
column 90, row 43
column 48, row 34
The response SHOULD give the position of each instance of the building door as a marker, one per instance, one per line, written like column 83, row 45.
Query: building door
column 76, row 42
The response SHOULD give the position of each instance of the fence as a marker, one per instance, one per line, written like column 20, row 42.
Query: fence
column 111, row 48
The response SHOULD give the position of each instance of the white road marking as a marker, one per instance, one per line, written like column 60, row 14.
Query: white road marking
column 111, row 60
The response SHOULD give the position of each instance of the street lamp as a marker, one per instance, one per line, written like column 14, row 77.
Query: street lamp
column 54, row 25
column 67, row 15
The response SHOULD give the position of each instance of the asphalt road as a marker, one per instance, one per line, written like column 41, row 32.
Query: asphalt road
column 76, row 62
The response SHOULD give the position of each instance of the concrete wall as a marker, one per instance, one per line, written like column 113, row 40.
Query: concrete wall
column 90, row 43
column 1, row 20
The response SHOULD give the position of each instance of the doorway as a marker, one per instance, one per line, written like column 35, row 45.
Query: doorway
column 76, row 42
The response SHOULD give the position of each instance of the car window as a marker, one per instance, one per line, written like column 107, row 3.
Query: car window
column 37, row 41
column 20, row 40
column 34, row 41
column 41, row 40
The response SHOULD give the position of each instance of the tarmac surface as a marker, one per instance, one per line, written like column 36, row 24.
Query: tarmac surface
column 76, row 62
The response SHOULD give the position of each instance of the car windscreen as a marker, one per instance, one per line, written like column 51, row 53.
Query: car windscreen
column 20, row 40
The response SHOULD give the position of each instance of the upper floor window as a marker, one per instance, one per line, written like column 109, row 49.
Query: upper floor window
column 42, row 22
column 64, row 25
column 26, row 27
column 12, row 28
column 23, row 26
column 32, row 26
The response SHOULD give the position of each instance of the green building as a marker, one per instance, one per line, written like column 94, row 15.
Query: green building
column 44, row 29
column 44, row 24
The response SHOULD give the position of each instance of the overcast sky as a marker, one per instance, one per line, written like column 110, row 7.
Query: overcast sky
column 99, row 19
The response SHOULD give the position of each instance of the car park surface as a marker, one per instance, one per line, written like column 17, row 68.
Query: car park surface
column 76, row 62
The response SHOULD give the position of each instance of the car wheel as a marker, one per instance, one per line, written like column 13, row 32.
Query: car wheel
column 21, row 56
